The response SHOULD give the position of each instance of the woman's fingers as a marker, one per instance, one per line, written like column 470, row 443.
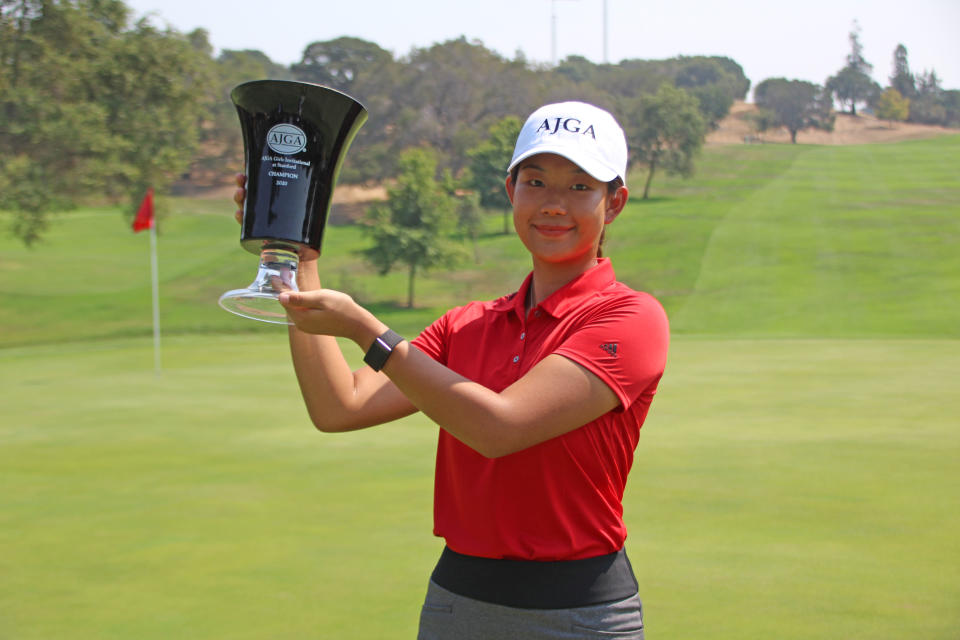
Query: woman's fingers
column 239, row 195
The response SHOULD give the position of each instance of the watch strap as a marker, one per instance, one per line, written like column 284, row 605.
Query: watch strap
column 381, row 349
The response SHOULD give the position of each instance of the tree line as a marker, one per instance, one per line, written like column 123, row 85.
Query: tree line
column 797, row 105
column 94, row 106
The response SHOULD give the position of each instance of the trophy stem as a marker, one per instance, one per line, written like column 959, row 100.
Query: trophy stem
column 260, row 301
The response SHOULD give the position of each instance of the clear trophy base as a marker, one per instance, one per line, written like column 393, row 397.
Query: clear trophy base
column 260, row 301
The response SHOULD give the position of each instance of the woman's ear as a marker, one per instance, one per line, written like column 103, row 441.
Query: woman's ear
column 616, row 201
column 510, row 187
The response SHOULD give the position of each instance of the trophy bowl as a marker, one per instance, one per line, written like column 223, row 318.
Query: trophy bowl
column 295, row 137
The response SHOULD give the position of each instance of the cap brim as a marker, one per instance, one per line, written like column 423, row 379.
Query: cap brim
column 598, row 170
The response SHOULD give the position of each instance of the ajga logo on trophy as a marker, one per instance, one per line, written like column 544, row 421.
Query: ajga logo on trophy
column 286, row 139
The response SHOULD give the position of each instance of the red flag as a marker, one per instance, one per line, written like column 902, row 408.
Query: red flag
column 144, row 219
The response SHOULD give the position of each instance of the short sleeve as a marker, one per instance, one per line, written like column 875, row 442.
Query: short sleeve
column 624, row 342
column 433, row 339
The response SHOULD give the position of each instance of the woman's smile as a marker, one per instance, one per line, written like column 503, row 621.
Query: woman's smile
column 553, row 230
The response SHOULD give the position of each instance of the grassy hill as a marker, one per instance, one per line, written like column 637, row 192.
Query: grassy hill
column 806, row 241
column 796, row 477
column 767, row 240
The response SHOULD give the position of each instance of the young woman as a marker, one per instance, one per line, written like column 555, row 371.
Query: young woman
column 539, row 396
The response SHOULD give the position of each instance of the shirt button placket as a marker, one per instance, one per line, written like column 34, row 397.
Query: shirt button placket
column 523, row 335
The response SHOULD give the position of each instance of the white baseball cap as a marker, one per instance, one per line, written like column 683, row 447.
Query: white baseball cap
column 582, row 133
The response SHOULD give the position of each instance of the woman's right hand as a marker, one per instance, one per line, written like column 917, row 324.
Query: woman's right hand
column 239, row 195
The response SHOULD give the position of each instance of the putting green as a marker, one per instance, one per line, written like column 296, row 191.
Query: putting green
column 782, row 488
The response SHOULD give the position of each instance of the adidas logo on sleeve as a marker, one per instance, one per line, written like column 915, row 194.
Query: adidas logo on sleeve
column 610, row 347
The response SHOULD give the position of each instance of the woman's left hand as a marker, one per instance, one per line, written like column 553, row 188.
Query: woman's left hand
column 332, row 313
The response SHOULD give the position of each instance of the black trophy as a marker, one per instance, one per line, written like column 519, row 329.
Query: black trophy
column 295, row 136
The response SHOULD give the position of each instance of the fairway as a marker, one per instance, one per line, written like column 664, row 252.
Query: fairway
column 797, row 476
column 201, row 503
column 784, row 480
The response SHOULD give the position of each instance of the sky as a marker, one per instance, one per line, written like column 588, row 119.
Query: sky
column 806, row 40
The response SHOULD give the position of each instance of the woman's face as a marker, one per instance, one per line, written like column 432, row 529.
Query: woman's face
column 559, row 210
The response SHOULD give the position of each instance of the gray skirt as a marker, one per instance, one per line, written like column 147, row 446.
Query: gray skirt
column 448, row 616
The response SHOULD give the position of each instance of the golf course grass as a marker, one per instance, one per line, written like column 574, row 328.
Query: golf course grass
column 797, row 476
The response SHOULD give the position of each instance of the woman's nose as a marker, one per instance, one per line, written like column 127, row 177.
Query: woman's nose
column 553, row 205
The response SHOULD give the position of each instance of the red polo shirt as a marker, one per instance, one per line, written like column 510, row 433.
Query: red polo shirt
column 560, row 499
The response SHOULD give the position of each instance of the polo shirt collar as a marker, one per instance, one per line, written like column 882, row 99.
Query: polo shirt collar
column 567, row 297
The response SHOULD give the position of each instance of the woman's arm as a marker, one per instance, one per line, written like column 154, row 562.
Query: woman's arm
column 554, row 397
column 337, row 398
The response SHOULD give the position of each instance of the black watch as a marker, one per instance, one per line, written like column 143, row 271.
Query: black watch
column 381, row 349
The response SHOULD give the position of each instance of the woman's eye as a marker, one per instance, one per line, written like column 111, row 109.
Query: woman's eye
column 535, row 182
column 580, row 187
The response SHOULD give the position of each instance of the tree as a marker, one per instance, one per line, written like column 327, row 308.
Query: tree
column 91, row 107
column 450, row 93
column 951, row 104
column 855, row 59
column 714, row 82
column 221, row 140
column 666, row 131
column 851, row 86
column 902, row 79
column 713, row 101
column 893, row 106
column 341, row 63
column 578, row 69
column 368, row 73
column 933, row 104
column 762, row 119
column 412, row 227
column 157, row 96
column 488, row 166
column 795, row 104
column 928, row 83
column 853, row 83
column 470, row 219
column 49, row 132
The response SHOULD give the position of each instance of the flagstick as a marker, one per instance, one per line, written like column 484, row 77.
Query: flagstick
column 156, row 298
